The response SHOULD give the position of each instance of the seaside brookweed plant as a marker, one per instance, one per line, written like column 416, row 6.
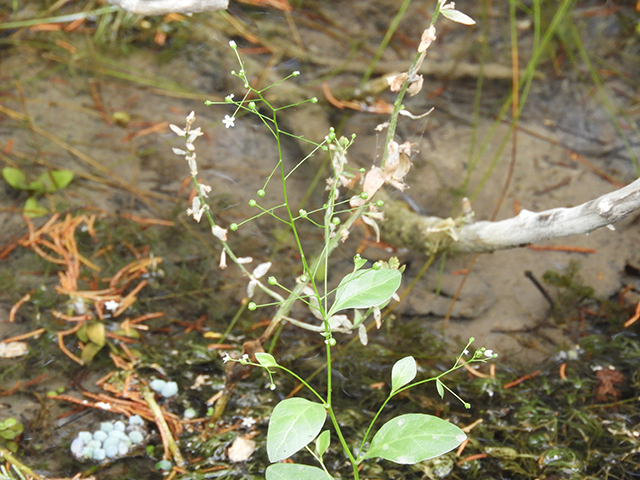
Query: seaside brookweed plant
column 296, row 422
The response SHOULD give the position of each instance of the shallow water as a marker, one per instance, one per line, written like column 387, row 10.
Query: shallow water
column 60, row 92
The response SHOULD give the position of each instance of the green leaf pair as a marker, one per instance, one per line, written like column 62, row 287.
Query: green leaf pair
column 406, row 439
column 47, row 182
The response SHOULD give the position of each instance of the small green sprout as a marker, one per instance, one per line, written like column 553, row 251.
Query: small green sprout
column 47, row 182
column 10, row 429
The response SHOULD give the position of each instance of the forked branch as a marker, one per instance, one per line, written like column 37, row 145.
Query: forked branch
column 433, row 234
column 162, row 7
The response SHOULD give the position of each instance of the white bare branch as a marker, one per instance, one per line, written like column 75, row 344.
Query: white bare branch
column 530, row 227
column 162, row 7
column 432, row 234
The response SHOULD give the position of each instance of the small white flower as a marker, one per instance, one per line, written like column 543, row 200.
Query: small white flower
column 226, row 358
column 111, row 305
column 466, row 352
column 228, row 121
column 193, row 167
column 229, row 98
column 197, row 209
column 177, row 151
column 219, row 232
column 488, row 353
column 197, row 216
column 296, row 73
column 232, row 44
column 191, row 118
column 248, row 422
column 205, row 190
column 251, row 288
column 272, row 386
column 193, row 134
column 261, row 270
column 177, row 130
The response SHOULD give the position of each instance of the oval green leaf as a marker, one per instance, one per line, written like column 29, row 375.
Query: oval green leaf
column 413, row 438
column 294, row 423
column 403, row 371
column 292, row 471
column 266, row 359
column 89, row 351
column 458, row 17
column 8, row 434
column 322, row 442
column 33, row 209
column 54, row 180
column 365, row 289
column 96, row 333
column 440, row 388
column 15, row 177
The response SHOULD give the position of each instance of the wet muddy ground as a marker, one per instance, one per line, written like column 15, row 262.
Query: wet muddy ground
column 97, row 100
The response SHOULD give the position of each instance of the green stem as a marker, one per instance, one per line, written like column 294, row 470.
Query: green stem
column 345, row 445
column 148, row 396
column 397, row 106
column 297, row 377
column 5, row 454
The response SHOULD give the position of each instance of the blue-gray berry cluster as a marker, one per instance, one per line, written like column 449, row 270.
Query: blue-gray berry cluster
column 112, row 440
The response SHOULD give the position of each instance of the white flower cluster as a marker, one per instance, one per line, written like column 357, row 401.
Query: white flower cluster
column 112, row 440
column 190, row 136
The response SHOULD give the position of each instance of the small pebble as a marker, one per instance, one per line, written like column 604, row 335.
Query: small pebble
column 136, row 437
column 117, row 434
column 94, row 444
column 77, row 446
column 111, row 442
column 169, row 390
column 189, row 413
column 86, row 437
column 123, row 448
column 87, row 452
column 136, row 420
column 106, row 426
column 100, row 435
column 99, row 454
column 111, row 450
column 157, row 385
column 119, row 426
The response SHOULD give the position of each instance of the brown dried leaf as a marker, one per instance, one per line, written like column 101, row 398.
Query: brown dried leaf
column 398, row 164
column 373, row 180
column 373, row 224
column 416, row 86
column 608, row 379
column 428, row 36
column 241, row 449
column 396, row 81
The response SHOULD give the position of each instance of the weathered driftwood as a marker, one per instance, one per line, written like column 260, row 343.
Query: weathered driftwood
column 162, row 7
column 433, row 234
